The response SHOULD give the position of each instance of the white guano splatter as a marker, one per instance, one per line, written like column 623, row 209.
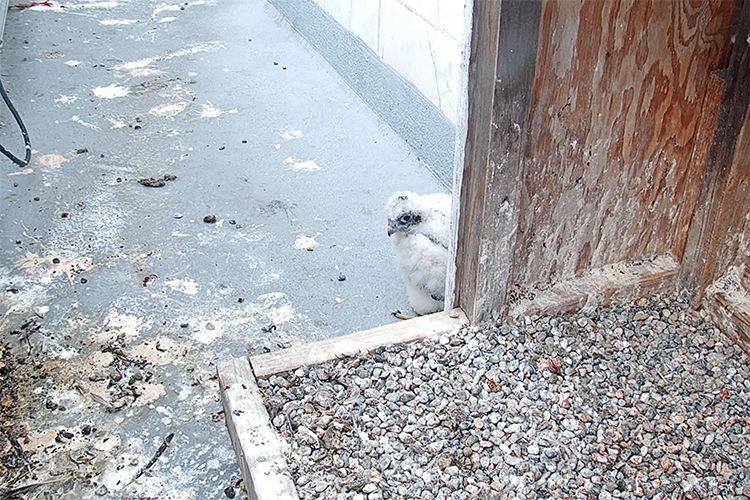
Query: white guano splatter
column 209, row 111
column 302, row 165
column 291, row 133
column 117, row 22
column 186, row 286
column 76, row 119
column 168, row 110
column 142, row 67
column 303, row 242
column 110, row 92
column 66, row 99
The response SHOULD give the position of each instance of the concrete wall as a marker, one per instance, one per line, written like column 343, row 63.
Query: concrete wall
column 420, row 39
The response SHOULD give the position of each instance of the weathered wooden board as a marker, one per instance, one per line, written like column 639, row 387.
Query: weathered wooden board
column 481, row 94
column 255, row 442
column 493, row 171
column 612, row 170
column 624, row 281
column 313, row 353
column 731, row 311
column 715, row 234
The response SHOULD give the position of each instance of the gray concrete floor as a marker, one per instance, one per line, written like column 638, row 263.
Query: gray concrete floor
column 259, row 132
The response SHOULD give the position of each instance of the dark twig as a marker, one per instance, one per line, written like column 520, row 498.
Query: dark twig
column 7, row 494
column 156, row 456
column 17, row 448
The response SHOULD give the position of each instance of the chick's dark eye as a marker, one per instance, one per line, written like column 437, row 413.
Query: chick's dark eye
column 405, row 219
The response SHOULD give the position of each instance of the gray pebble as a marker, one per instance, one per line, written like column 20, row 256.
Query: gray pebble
column 640, row 411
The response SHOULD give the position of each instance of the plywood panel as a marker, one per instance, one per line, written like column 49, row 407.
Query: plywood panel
column 611, row 171
column 715, row 241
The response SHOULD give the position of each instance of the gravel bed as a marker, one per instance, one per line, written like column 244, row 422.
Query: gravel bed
column 642, row 401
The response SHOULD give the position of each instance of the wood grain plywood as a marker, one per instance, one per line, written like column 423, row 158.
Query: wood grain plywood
column 715, row 240
column 615, row 115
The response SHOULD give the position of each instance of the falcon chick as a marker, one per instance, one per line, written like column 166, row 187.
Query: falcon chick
column 419, row 228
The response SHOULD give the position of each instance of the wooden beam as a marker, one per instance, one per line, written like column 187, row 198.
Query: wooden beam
column 480, row 94
column 493, row 161
column 355, row 344
column 725, row 195
column 255, row 442
column 515, row 77
column 622, row 282
column 462, row 139
column 731, row 311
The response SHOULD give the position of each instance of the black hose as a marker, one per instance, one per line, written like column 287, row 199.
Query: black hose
column 25, row 161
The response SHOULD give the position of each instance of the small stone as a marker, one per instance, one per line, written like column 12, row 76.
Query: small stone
column 451, row 470
column 406, row 438
column 371, row 393
column 303, row 480
column 640, row 316
column 369, row 488
column 209, row 219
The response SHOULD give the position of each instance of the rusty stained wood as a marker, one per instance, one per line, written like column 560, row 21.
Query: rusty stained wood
column 255, row 442
column 492, row 172
column 716, row 231
column 623, row 282
column 481, row 93
column 615, row 114
column 359, row 343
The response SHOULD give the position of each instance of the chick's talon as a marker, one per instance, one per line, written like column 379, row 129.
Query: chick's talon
column 399, row 315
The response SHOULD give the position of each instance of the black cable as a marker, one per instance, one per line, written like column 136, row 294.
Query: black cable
column 25, row 161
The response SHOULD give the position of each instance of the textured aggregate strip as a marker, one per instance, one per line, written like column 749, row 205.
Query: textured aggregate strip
column 643, row 401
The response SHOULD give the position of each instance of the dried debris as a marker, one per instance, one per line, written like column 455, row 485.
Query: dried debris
column 158, row 182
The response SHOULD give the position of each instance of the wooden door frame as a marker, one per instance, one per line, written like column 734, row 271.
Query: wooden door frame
column 486, row 185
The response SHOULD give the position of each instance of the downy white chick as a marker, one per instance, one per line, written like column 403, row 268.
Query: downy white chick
column 419, row 228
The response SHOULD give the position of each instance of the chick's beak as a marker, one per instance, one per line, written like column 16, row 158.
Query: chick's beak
column 391, row 228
